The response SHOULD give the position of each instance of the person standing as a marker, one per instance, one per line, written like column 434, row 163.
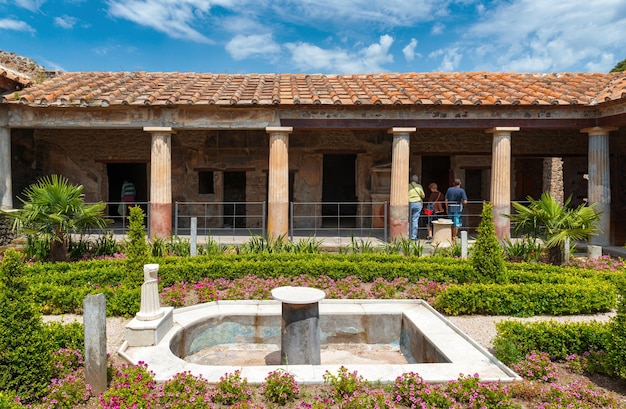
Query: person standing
column 416, row 196
column 456, row 198
column 435, row 205
column 127, row 195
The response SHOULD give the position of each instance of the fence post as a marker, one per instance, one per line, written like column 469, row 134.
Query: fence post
column 175, row 218
column 193, row 245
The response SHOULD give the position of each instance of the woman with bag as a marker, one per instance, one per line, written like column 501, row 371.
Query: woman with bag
column 434, row 208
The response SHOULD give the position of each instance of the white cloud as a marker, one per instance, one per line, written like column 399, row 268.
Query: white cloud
column 15, row 25
column 451, row 58
column 389, row 12
column 528, row 35
column 606, row 60
column 369, row 59
column 32, row 5
column 173, row 18
column 438, row 28
column 66, row 22
column 241, row 46
column 409, row 50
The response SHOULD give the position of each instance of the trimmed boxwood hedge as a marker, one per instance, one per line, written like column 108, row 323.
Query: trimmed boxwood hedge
column 533, row 288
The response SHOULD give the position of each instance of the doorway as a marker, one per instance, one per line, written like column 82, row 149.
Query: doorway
column 435, row 169
column 234, row 199
column 339, row 190
column 117, row 173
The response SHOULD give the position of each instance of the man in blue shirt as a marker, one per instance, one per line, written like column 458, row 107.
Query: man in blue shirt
column 455, row 199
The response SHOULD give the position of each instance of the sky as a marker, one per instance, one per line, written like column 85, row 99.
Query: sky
column 317, row 36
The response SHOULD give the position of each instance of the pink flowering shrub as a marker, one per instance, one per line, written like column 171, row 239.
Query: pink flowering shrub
column 176, row 294
column 537, row 366
column 185, row 391
column 280, row 387
column 602, row 263
column 131, row 388
column 65, row 361
column 231, row 389
column 67, row 392
column 579, row 394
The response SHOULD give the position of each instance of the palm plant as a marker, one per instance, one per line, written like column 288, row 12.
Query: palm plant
column 552, row 222
column 52, row 210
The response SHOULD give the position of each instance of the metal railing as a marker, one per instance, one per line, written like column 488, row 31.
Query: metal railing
column 330, row 219
column 221, row 218
column 338, row 219
column 118, row 213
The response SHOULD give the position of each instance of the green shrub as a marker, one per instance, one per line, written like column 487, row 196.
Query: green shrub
column 137, row 247
column 9, row 400
column 68, row 336
column 528, row 299
column 616, row 350
column 517, row 339
column 487, row 257
column 25, row 356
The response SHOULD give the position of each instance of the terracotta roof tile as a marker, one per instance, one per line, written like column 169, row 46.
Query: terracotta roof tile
column 474, row 88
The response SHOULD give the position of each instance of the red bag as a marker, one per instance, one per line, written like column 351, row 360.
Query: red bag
column 428, row 212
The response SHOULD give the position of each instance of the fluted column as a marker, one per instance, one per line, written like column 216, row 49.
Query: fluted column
column 278, row 182
column 6, row 179
column 399, row 195
column 160, row 182
column 599, row 187
column 501, row 179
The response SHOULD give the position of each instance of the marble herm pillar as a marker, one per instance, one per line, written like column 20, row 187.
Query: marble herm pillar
column 399, row 193
column 501, row 179
column 160, row 182
column 6, row 179
column 599, row 188
column 278, row 182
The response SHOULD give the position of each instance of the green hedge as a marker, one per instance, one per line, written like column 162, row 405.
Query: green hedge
column 585, row 297
column 534, row 288
column 516, row 339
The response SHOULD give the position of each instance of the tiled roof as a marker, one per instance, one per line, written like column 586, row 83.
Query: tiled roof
column 104, row 89
column 13, row 76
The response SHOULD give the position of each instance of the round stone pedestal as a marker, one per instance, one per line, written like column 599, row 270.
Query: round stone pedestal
column 442, row 232
column 300, row 328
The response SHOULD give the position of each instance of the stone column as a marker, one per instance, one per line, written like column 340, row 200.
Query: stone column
column 160, row 182
column 399, row 194
column 599, row 188
column 501, row 179
column 553, row 178
column 278, row 182
column 6, row 179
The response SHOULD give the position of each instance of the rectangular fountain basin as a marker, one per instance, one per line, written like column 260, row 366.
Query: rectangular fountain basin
column 433, row 347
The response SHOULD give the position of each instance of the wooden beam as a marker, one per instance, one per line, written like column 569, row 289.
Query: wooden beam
column 455, row 123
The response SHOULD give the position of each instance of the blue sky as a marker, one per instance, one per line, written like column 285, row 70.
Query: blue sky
column 316, row 36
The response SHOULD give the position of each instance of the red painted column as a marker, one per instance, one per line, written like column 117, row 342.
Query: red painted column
column 501, row 179
column 160, row 182
column 278, row 182
column 599, row 187
column 399, row 192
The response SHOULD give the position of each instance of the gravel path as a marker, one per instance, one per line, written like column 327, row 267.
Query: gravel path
column 480, row 328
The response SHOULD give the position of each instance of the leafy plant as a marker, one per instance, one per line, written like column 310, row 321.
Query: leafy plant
column 487, row 256
column 344, row 383
column 131, row 387
column 52, row 210
column 25, row 356
column 137, row 247
column 68, row 391
column 526, row 249
column 185, row 391
column 231, row 389
column 546, row 219
column 616, row 349
column 537, row 366
column 280, row 387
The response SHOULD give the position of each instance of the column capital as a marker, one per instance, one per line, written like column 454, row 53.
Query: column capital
column 599, row 130
column 152, row 129
column 401, row 130
column 285, row 129
column 502, row 129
